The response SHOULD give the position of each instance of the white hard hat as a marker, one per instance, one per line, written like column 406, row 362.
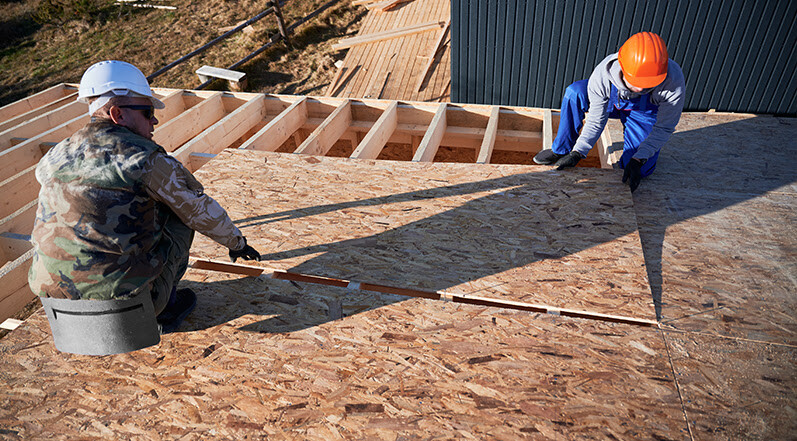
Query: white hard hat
column 117, row 77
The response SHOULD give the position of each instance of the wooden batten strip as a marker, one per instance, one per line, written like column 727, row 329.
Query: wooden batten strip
column 34, row 101
column 42, row 123
column 385, row 35
column 14, row 277
column 190, row 123
column 490, row 133
column 603, row 145
column 227, row 130
column 547, row 129
column 327, row 134
column 433, row 137
column 28, row 152
column 380, row 133
column 279, row 129
column 256, row 271
column 18, row 191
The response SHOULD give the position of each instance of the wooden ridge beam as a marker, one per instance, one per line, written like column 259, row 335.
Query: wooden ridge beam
column 224, row 132
column 490, row 133
column 257, row 271
column 433, row 136
column 380, row 133
column 327, row 134
column 190, row 123
column 279, row 129
column 385, row 35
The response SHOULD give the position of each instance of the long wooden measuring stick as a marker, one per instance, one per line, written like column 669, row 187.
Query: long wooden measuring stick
column 256, row 271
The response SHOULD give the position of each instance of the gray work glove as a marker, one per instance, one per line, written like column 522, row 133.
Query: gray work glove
column 568, row 160
column 245, row 253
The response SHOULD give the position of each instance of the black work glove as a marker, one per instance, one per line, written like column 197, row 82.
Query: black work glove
column 633, row 173
column 568, row 160
column 245, row 253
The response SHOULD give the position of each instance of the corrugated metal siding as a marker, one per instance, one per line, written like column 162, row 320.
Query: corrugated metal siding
column 737, row 55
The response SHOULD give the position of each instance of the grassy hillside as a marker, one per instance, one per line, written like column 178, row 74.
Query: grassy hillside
column 45, row 42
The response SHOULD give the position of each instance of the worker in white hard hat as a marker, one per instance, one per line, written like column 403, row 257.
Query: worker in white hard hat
column 117, row 213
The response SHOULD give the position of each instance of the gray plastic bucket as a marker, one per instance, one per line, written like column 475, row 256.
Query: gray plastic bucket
column 102, row 327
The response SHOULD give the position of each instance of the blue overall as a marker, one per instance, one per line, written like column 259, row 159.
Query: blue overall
column 637, row 115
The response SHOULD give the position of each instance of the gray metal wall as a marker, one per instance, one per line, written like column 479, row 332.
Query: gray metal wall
column 737, row 55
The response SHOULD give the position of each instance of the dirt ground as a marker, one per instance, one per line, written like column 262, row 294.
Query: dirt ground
column 37, row 52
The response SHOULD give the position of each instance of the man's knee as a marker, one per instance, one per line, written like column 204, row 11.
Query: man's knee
column 576, row 91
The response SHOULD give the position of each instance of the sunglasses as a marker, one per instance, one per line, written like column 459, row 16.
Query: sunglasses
column 148, row 111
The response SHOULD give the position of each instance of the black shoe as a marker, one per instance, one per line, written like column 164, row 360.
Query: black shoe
column 177, row 310
column 547, row 157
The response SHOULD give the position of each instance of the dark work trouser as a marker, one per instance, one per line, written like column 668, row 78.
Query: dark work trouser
column 179, row 238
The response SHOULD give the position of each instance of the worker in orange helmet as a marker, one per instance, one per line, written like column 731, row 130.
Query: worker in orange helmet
column 639, row 85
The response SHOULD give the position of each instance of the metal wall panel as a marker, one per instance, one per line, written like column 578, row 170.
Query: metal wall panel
column 737, row 55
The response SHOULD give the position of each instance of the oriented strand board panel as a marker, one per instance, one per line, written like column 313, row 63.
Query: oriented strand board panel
column 263, row 358
column 718, row 231
column 521, row 233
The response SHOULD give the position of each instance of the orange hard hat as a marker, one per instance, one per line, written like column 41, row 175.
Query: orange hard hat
column 643, row 59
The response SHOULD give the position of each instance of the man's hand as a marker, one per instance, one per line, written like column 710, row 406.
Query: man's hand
column 633, row 173
column 245, row 253
column 568, row 160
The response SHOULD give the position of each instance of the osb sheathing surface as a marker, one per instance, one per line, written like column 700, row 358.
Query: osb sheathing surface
column 523, row 233
column 717, row 222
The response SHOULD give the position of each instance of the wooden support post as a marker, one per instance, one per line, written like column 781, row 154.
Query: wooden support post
column 377, row 137
column 547, row 129
column 280, row 20
column 327, row 134
column 384, row 35
column 490, row 133
column 432, row 55
column 224, row 132
column 279, row 129
column 190, row 123
column 433, row 136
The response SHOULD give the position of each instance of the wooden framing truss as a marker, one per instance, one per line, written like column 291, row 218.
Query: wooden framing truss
column 196, row 125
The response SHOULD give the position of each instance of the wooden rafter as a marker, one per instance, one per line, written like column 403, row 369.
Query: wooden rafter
column 324, row 137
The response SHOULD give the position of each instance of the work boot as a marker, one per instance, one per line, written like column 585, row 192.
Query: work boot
column 181, row 303
column 547, row 157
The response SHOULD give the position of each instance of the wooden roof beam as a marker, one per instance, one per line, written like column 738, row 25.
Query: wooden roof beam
column 490, row 133
column 18, row 191
column 327, row 134
column 380, row 133
column 35, row 101
column 190, row 123
column 224, row 132
column 279, row 129
column 433, row 136
column 43, row 123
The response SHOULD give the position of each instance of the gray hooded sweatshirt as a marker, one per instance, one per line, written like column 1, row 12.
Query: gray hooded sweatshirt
column 669, row 96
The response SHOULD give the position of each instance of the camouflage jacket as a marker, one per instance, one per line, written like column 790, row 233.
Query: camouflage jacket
column 105, row 196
